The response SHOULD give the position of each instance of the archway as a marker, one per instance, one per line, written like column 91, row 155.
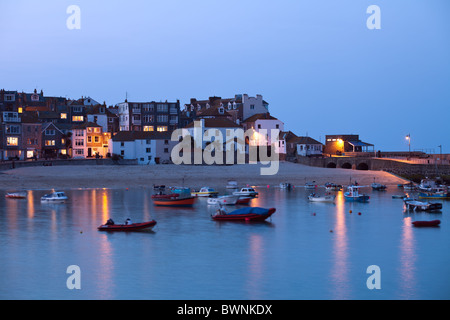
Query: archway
column 331, row 165
column 346, row 165
column 362, row 166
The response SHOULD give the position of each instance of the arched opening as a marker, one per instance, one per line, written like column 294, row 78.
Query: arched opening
column 362, row 166
column 331, row 165
column 346, row 166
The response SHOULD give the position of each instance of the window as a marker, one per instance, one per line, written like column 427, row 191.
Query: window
column 63, row 141
column 148, row 118
column 77, row 109
column 259, row 126
column 79, row 133
column 166, row 150
column 277, row 126
column 149, row 128
column 166, row 141
column 63, row 115
column 148, row 107
column 252, row 107
column 77, row 118
column 161, row 128
column 148, row 150
column 97, row 130
column 79, row 142
column 162, row 107
column 89, row 130
column 79, row 152
column 63, row 151
column 122, row 144
column 96, row 139
column 162, row 118
column 20, row 110
column 13, row 129
column 122, row 152
column 49, row 132
column 49, row 143
column 12, row 141
column 89, row 139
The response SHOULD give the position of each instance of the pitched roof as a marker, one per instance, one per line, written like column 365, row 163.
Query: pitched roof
column 142, row 135
column 303, row 140
column 260, row 116
column 87, row 125
column 217, row 123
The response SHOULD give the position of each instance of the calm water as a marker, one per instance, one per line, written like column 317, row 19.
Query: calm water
column 306, row 251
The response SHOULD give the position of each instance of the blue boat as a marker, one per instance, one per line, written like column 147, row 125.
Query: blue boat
column 353, row 194
column 244, row 214
column 438, row 193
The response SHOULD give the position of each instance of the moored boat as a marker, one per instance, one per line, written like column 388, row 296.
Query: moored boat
column 416, row 205
column 204, row 192
column 127, row 227
column 174, row 201
column 247, row 191
column 243, row 200
column 378, row 186
column 244, row 214
column 310, row 185
column 232, row 184
column 437, row 193
column 54, row 197
column 285, row 185
column 432, row 223
column 332, row 187
column 353, row 194
column 326, row 198
column 224, row 200
column 409, row 186
column 16, row 195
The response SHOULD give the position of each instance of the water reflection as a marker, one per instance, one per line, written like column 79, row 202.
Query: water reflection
column 255, row 267
column 340, row 269
column 407, row 261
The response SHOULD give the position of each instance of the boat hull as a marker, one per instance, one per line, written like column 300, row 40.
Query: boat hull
column 174, row 202
column 226, row 200
column 360, row 198
column 432, row 223
column 422, row 206
column 130, row 227
column 245, row 215
column 322, row 199
column 15, row 196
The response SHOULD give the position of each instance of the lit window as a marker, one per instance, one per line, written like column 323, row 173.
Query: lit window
column 148, row 128
column 12, row 141
column 63, row 115
column 63, row 151
column 50, row 142
column 161, row 128
column 20, row 110
column 77, row 118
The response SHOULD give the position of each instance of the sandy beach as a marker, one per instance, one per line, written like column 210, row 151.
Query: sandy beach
column 134, row 176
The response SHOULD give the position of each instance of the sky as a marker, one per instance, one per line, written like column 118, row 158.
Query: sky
column 316, row 63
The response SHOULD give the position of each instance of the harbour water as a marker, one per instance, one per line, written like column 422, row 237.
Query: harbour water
column 304, row 251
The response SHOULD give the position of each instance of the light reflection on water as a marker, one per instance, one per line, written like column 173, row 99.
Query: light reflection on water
column 306, row 251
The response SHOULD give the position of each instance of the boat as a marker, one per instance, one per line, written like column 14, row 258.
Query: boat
column 54, row 197
column 416, row 205
column 437, row 193
column 427, row 185
column 409, row 186
column 310, row 185
column 332, row 187
column 326, row 198
column 247, row 191
column 204, row 192
column 244, row 214
column 285, row 185
column 432, row 223
column 398, row 196
column 378, row 186
column 352, row 194
column 16, row 195
column 177, row 197
column 224, row 200
column 232, row 184
column 243, row 200
column 127, row 227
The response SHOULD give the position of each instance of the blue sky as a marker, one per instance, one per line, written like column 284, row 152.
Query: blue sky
column 315, row 61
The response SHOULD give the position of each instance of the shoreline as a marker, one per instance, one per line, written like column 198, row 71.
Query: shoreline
column 132, row 176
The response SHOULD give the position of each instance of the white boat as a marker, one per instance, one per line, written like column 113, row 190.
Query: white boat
column 223, row 200
column 285, row 185
column 54, row 197
column 16, row 195
column 325, row 198
column 416, row 205
column 332, row 187
column 311, row 185
column 409, row 186
column 204, row 192
column 232, row 184
column 246, row 192
column 353, row 194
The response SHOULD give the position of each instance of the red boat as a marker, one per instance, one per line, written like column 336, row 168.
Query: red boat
column 245, row 214
column 16, row 195
column 243, row 200
column 432, row 223
column 127, row 227
column 174, row 201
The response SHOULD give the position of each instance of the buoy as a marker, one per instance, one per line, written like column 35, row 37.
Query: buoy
column 350, row 211
column 314, row 214
column 359, row 213
column 331, row 230
column 81, row 231
column 268, row 186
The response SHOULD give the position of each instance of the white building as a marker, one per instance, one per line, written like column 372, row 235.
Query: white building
column 147, row 147
column 307, row 146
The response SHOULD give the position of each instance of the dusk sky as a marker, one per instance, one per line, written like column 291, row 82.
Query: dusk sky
column 316, row 62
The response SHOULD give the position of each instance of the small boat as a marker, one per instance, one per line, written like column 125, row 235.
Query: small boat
column 204, row 192
column 127, row 227
column 437, row 193
column 409, row 186
column 244, row 214
column 16, row 195
column 243, row 200
column 378, row 186
column 326, row 198
column 232, row 184
column 427, row 185
column 353, row 194
column 332, row 187
column 398, row 196
column 310, row 185
column 224, row 200
column 159, row 187
column 54, row 197
column 285, row 185
column 174, row 201
column 432, row 223
column 416, row 205
column 249, row 192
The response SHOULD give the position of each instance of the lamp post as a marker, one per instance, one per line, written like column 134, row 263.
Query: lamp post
column 440, row 154
column 408, row 137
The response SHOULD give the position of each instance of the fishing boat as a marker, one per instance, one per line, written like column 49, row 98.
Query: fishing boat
column 437, row 193
column 244, row 214
column 352, row 194
column 427, row 185
column 432, row 223
column 232, row 184
column 16, row 195
column 310, row 185
column 204, row 192
column 54, row 197
column 127, row 227
column 224, row 200
column 177, row 197
column 326, row 198
column 332, row 187
column 247, row 191
column 416, row 205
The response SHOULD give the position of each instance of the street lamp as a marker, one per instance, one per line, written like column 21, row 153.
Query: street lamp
column 408, row 137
